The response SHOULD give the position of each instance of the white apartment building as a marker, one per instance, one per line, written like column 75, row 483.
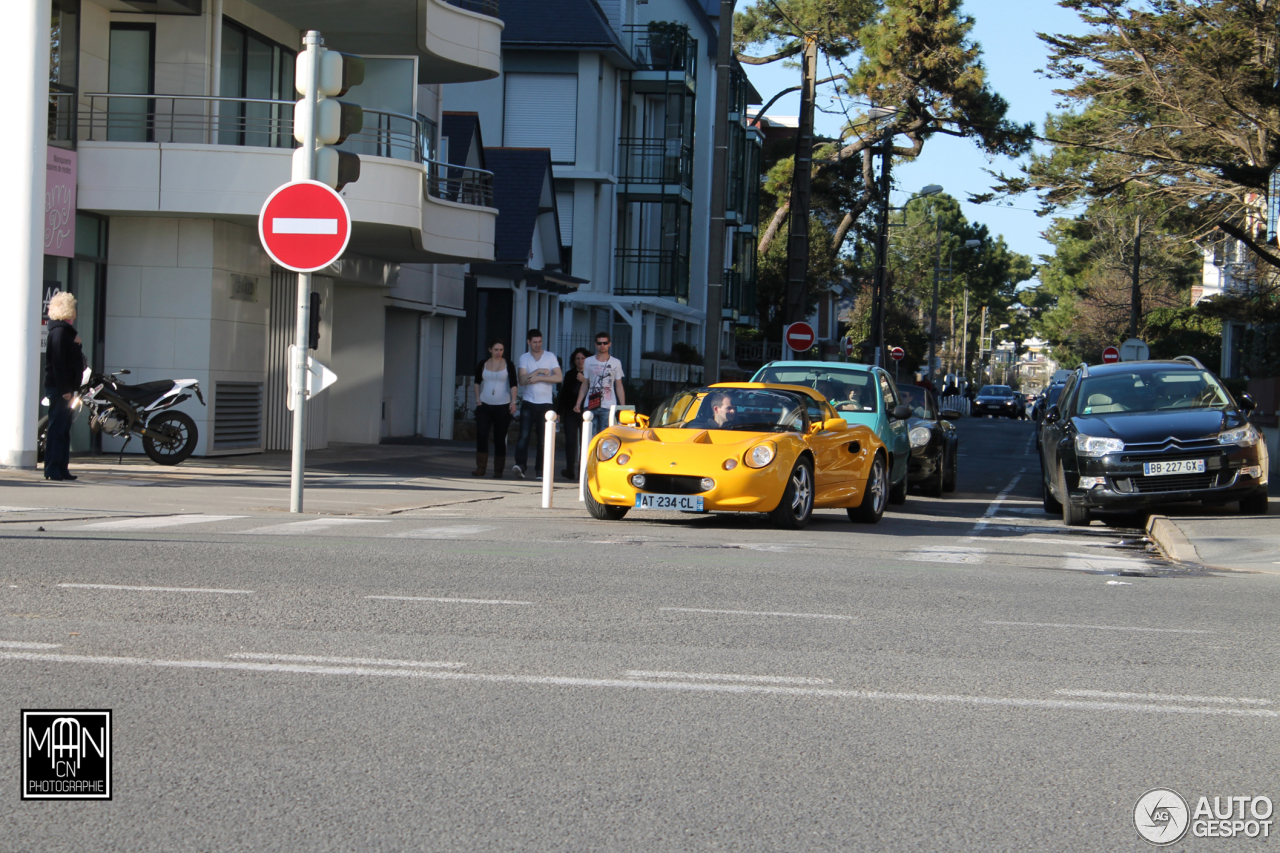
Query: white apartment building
column 171, row 122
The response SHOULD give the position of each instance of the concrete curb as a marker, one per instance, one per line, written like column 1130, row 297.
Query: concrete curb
column 1171, row 541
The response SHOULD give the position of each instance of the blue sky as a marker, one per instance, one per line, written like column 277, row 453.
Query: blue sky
column 1006, row 30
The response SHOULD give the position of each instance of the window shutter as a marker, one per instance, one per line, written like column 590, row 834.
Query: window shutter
column 542, row 112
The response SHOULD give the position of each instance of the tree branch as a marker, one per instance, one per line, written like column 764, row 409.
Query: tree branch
column 765, row 60
column 1243, row 236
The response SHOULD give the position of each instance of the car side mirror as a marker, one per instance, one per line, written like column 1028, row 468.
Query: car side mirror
column 901, row 412
column 834, row 425
column 1247, row 403
column 1051, row 416
column 627, row 417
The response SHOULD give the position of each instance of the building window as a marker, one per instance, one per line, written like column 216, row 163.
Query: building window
column 256, row 69
column 131, row 71
column 542, row 112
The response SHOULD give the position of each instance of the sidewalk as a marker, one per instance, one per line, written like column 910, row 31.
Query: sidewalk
column 384, row 479
column 1220, row 537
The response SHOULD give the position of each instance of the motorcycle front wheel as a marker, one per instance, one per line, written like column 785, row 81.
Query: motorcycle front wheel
column 170, row 438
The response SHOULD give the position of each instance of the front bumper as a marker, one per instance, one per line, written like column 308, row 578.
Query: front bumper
column 1231, row 473
column 923, row 464
column 743, row 489
column 995, row 409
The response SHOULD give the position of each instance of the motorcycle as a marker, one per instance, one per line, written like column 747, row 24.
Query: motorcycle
column 117, row 408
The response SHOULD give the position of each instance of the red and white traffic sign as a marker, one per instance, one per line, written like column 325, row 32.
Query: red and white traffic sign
column 848, row 346
column 304, row 226
column 897, row 353
column 799, row 336
column 1110, row 355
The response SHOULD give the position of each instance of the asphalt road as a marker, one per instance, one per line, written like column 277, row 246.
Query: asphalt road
column 968, row 674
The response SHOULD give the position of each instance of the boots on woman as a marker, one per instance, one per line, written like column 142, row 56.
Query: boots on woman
column 482, row 462
column 499, row 466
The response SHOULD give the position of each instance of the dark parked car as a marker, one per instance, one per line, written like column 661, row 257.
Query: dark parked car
column 1045, row 399
column 997, row 401
column 934, row 443
column 1142, row 433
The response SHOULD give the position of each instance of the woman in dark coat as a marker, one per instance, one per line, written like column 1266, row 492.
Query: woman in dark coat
column 63, row 369
column 495, row 395
column 565, row 401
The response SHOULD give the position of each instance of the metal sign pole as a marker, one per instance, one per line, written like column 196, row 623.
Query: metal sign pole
column 298, row 365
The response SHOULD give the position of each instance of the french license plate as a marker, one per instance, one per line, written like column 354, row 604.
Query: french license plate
column 683, row 503
column 1180, row 466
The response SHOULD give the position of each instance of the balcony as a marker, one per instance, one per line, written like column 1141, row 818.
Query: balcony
column 731, row 296
column 652, row 272
column 62, row 115
column 221, row 157
column 665, row 54
column 653, row 168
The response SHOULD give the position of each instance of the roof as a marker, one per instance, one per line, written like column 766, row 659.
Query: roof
column 519, row 177
column 574, row 23
column 462, row 129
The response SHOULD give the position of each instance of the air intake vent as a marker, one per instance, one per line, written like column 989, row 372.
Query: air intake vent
column 237, row 416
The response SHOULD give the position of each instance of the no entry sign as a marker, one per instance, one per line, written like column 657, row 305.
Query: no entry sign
column 1110, row 355
column 304, row 226
column 799, row 336
column 897, row 353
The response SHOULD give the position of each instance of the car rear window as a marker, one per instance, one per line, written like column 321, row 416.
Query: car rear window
column 856, row 388
column 996, row 391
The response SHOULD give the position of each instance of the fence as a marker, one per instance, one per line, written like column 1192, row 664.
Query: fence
column 956, row 402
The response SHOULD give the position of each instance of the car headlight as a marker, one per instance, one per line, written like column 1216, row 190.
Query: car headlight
column 1245, row 436
column 760, row 455
column 608, row 448
column 1088, row 445
column 920, row 436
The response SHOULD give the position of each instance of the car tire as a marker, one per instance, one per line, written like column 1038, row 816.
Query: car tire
column 871, row 510
column 949, row 481
column 1255, row 504
column 796, row 507
column 898, row 493
column 934, row 487
column 1073, row 514
column 604, row 512
column 1051, row 505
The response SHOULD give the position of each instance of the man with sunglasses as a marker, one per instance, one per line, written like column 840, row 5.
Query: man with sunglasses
column 602, row 387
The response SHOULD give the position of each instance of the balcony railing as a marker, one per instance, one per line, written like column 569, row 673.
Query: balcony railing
column 652, row 272
column 462, row 184
column 731, row 295
column 483, row 7
column 62, row 114
column 655, row 161
column 662, row 46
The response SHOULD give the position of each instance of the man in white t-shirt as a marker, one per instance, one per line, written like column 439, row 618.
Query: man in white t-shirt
column 537, row 371
column 602, row 385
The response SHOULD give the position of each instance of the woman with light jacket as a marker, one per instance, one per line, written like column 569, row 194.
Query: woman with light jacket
column 495, row 395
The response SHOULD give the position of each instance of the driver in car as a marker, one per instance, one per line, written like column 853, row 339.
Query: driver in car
column 722, row 409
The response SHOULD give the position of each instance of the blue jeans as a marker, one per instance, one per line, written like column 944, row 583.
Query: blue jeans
column 57, row 437
column 533, row 421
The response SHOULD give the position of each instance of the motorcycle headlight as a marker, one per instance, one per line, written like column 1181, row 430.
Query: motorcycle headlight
column 1088, row 445
column 760, row 455
column 920, row 436
column 1245, row 436
column 608, row 448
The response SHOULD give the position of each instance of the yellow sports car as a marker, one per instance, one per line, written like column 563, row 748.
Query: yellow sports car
column 739, row 447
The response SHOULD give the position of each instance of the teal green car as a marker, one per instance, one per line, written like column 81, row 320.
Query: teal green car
column 863, row 395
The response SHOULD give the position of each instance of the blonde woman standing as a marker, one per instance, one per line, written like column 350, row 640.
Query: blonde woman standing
column 495, row 395
column 63, row 369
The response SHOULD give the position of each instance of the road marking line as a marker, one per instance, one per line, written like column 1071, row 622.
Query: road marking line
column 355, row 661
column 639, row 684
column 18, row 508
column 154, row 588
column 995, row 506
column 1103, row 627
column 1105, row 563
column 946, row 554
column 315, row 525
column 714, row 676
column 753, row 613
column 14, row 644
column 445, row 600
column 755, row 546
column 309, row 225
column 1161, row 697
column 154, row 522
column 459, row 531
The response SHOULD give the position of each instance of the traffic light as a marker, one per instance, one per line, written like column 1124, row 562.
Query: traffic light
column 335, row 73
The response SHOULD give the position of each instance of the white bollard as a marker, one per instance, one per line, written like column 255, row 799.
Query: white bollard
column 548, row 459
column 582, row 456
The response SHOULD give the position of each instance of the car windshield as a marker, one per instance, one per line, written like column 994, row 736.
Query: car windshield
column 731, row 409
column 848, row 390
column 918, row 399
column 1150, row 391
column 996, row 391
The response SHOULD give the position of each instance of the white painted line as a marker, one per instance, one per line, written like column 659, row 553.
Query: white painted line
column 14, row 644
column 18, row 508
column 756, row 546
column 154, row 522
column 946, row 554
column 995, row 506
column 1103, row 627
column 430, row 664
column 1162, row 697
column 1118, row 583
column 315, row 525
column 715, row 676
column 444, row 600
column 1105, row 563
column 312, row 225
column 154, row 588
column 457, row 531
column 640, row 684
column 753, row 613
